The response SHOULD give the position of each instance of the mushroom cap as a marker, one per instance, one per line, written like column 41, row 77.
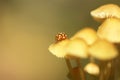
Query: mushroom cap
column 92, row 69
column 77, row 48
column 58, row 49
column 87, row 34
column 103, row 50
column 106, row 11
column 110, row 30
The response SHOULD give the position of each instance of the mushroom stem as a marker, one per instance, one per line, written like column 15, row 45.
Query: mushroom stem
column 69, row 67
column 102, row 69
column 117, row 62
column 109, row 68
column 68, row 64
column 106, row 69
column 82, row 74
column 92, row 59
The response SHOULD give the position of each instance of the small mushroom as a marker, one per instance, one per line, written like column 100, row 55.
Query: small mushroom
column 110, row 30
column 77, row 47
column 106, row 11
column 103, row 50
column 58, row 49
column 87, row 34
column 92, row 69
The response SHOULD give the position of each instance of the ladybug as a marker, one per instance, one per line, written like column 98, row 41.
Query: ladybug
column 60, row 36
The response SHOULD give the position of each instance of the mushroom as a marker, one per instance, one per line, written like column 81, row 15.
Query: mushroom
column 92, row 69
column 77, row 47
column 58, row 49
column 110, row 30
column 106, row 11
column 69, row 48
column 87, row 34
column 103, row 50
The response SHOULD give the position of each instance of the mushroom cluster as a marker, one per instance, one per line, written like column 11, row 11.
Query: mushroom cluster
column 91, row 44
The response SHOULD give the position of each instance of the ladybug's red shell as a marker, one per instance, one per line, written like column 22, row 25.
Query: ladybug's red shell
column 60, row 36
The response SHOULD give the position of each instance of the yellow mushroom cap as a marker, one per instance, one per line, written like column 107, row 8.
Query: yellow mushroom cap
column 110, row 30
column 106, row 11
column 87, row 34
column 77, row 47
column 103, row 50
column 58, row 49
column 92, row 69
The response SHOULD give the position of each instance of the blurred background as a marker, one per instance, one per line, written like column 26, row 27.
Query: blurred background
column 28, row 27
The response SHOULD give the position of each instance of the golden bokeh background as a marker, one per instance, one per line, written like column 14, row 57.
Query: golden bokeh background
column 28, row 27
